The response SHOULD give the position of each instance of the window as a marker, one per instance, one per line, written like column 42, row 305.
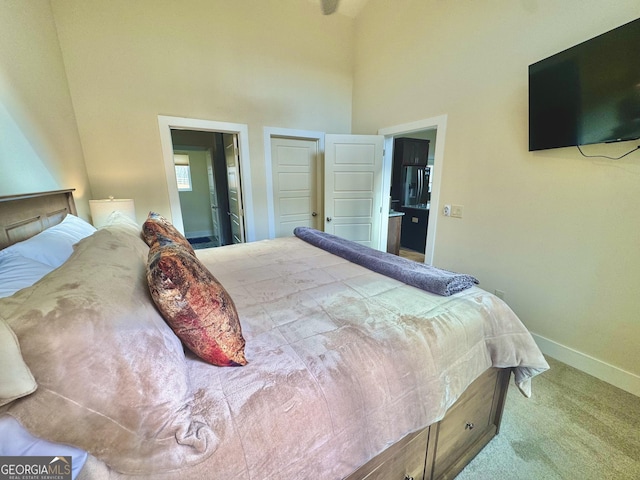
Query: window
column 183, row 172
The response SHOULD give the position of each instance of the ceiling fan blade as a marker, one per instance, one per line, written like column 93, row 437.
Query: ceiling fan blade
column 329, row 6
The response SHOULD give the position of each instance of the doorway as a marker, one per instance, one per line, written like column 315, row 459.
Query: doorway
column 432, row 126
column 235, row 153
column 207, row 186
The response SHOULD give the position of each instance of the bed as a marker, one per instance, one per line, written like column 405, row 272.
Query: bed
column 350, row 374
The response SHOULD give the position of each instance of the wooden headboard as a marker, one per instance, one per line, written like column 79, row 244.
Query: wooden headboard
column 23, row 216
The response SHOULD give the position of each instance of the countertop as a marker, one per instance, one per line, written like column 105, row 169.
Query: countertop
column 422, row 206
column 393, row 213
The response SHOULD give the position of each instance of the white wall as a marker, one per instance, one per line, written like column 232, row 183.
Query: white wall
column 558, row 233
column 39, row 144
column 278, row 63
column 195, row 205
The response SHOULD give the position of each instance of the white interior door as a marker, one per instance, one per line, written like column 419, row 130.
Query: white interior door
column 233, row 180
column 296, row 184
column 353, row 187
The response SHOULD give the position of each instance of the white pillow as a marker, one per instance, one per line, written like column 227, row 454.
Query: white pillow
column 18, row 272
column 15, row 377
column 119, row 219
column 54, row 245
column 16, row 441
column 75, row 226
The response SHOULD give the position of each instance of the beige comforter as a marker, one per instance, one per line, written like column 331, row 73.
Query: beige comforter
column 343, row 362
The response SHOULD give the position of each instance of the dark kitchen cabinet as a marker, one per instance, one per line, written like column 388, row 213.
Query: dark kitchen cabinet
column 414, row 228
column 412, row 152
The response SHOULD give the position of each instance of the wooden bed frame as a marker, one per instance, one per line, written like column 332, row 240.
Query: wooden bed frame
column 23, row 216
column 442, row 450
column 439, row 451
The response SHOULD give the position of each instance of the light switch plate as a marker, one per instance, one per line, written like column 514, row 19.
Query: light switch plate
column 456, row 211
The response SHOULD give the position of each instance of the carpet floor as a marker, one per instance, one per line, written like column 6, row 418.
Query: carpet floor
column 573, row 427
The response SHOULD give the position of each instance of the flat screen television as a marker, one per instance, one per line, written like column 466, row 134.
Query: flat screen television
column 587, row 94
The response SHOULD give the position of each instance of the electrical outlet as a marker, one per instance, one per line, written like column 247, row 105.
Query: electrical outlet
column 499, row 293
column 446, row 211
column 456, row 211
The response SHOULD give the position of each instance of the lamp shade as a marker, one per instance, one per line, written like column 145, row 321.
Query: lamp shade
column 101, row 209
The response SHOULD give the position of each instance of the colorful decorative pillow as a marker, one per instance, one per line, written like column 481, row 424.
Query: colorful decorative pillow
column 195, row 304
column 156, row 225
column 15, row 377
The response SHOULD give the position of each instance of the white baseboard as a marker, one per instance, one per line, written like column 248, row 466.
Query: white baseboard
column 616, row 376
column 198, row 234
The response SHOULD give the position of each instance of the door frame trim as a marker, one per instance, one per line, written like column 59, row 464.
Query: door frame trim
column 438, row 123
column 270, row 132
column 166, row 123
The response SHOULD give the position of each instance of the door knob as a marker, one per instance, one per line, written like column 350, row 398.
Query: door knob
column 328, row 219
column 314, row 214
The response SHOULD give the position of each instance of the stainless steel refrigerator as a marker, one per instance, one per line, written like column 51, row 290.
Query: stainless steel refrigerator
column 416, row 188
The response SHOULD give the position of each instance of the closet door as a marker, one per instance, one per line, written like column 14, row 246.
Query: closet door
column 297, row 180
